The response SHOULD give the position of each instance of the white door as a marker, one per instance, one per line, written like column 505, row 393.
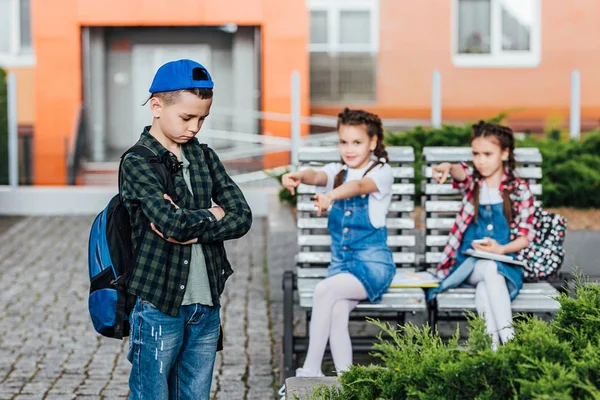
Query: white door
column 146, row 59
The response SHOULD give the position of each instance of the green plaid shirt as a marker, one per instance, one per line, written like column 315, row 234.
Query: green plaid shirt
column 161, row 268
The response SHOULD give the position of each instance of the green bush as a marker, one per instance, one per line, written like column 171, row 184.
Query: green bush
column 284, row 195
column 3, row 129
column 559, row 360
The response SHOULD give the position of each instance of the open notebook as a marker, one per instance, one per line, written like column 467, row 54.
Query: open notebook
column 422, row 279
column 492, row 256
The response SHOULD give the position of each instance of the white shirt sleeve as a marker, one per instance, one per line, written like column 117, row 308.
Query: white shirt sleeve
column 383, row 178
column 331, row 170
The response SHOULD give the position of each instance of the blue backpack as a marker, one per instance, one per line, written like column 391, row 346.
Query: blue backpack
column 111, row 256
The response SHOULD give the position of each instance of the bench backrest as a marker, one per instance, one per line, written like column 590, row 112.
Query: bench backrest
column 313, row 237
column 442, row 202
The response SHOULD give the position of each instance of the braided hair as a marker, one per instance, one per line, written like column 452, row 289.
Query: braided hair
column 373, row 126
column 506, row 139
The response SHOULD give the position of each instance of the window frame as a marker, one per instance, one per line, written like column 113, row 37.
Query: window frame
column 498, row 58
column 334, row 8
column 333, row 47
column 17, row 55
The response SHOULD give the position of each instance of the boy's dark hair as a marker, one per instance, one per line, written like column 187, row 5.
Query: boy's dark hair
column 374, row 128
column 506, row 140
column 170, row 98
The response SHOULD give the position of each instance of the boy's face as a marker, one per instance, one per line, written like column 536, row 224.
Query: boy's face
column 181, row 120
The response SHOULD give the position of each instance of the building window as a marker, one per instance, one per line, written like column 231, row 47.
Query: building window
column 496, row 33
column 15, row 33
column 343, row 50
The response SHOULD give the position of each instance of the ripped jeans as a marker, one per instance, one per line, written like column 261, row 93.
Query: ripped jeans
column 172, row 357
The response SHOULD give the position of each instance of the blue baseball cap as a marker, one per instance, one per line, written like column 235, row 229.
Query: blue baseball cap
column 180, row 75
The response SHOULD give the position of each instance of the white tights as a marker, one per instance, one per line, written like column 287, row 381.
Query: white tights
column 333, row 300
column 492, row 300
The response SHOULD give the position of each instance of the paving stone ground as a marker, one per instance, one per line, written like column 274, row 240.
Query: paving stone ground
column 49, row 350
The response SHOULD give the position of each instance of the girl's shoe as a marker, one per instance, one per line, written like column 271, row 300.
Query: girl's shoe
column 281, row 392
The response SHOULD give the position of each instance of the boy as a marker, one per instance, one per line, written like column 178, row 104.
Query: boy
column 181, row 265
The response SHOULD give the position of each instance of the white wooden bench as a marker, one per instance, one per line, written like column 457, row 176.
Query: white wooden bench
column 313, row 254
column 442, row 202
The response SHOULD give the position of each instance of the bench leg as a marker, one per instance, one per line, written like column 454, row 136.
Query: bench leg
column 288, row 323
column 433, row 314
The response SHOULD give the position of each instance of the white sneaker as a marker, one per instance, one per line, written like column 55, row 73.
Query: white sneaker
column 281, row 392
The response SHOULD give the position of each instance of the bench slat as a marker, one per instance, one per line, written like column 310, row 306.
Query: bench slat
column 529, row 155
column 439, row 223
column 324, row 257
column 398, row 172
column 321, row 223
column 405, row 299
column 446, row 189
column 523, row 172
column 397, row 188
column 331, row 154
column 325, row 240
column 395, row 206
column 436, row 240
column 533, row 297
column 442, row 206
column 432, row 257
column 317, row 273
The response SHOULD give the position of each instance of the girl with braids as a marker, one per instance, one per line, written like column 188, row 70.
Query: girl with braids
column 358, row 192
column 496, row 216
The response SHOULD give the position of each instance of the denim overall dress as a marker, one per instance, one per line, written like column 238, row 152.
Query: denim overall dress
column 490, row 223
column 357, row 247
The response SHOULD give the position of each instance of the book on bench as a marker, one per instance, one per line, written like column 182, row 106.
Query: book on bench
column 424, row 279
column 492, row 256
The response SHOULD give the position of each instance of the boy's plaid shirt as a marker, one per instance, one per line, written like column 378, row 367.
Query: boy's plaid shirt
column 522, row 224
column 161, row 269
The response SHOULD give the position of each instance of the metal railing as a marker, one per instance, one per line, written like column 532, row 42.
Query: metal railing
column 76, row 146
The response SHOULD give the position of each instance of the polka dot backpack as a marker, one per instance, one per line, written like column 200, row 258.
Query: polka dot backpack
column 545, row 254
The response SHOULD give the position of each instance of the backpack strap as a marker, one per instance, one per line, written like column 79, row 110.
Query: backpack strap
column 157, row 163
column 208, row 162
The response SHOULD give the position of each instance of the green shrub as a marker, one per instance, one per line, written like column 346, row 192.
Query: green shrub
column 284, row 195
column 3, row 129
column 559, row 360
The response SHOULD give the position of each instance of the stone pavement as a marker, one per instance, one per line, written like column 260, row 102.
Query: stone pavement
column 49, row 349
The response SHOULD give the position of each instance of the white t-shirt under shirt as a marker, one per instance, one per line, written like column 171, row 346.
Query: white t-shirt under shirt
column 489, row 195
column 380, row 200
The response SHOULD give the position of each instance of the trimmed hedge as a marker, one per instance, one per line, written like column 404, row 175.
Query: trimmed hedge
column 559, row 360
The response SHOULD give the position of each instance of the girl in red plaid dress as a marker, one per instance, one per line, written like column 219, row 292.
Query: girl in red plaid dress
column 496, row 216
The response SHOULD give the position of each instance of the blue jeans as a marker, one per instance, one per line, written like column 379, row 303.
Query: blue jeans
column 172, row 357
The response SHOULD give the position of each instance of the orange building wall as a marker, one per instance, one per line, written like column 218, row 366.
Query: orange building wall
column 25, row 95
column 58, row 78
column 415, row 39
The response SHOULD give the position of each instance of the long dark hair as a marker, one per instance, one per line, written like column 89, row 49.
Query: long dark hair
column 506, row 139
column 373, row 126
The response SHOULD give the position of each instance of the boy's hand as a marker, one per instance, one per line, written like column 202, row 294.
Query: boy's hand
column 167, row 197
column 322, row 202
column 291, row 181
column 440, row 172
column 218, row 212
column 191, row 241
